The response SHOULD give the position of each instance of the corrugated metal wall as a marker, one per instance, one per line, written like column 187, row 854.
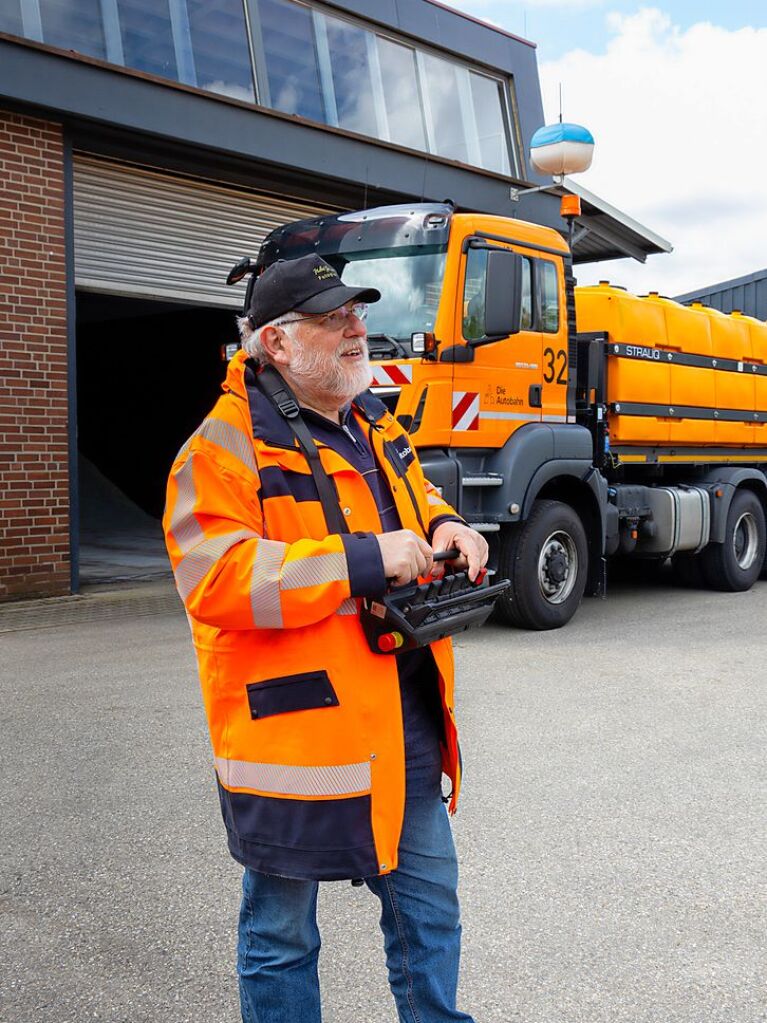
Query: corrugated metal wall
column 140, row 232
column 746, row 294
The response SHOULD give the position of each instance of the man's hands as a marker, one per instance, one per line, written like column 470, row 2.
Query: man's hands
column 405, row 556
column 470, row 543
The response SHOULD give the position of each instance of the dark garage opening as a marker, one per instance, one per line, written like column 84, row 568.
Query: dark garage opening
column 147, row 374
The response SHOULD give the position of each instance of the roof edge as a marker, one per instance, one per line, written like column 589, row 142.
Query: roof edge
column 623, row 218
column 713, row 289
column 484, row 24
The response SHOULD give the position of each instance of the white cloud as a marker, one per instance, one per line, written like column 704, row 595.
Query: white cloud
column 681, row 143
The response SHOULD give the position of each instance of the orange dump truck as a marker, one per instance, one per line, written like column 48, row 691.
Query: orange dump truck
column 568, row 424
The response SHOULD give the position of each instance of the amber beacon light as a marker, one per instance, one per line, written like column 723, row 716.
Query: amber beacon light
column 570, row 206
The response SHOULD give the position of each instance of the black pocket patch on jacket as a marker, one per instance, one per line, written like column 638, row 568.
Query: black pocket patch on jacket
column 309, row 691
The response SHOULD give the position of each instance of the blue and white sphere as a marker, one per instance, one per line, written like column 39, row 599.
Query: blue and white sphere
column 562, row 149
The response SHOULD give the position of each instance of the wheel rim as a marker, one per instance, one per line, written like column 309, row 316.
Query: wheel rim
column 557, row 567
column 745, row 541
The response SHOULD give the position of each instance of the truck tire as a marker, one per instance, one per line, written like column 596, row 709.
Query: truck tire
column 546, row 559
column 735, row 565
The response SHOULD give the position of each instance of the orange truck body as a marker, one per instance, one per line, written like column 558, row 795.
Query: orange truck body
column 596, row 423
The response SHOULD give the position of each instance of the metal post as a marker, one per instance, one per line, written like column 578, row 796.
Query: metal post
column 69, row 262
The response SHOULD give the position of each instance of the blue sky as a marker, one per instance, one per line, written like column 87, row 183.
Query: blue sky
column 558, row 27
column 674, row 93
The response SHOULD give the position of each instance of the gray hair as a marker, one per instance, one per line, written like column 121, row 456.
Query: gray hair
column 251, row 337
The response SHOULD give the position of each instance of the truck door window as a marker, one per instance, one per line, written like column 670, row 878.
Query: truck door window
column 549, row 296
column 526, row 321
column 474, row 295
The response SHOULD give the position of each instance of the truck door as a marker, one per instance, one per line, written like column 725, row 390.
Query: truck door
column 549, row 314
column 500, row 389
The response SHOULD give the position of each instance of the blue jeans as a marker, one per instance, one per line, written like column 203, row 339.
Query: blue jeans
column 279, row 941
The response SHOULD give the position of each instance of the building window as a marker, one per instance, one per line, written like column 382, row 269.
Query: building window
column 321, row 66
column 487, row 104
column 350, row 50
column 332, row 69
column 444, row 110
column 73, row 25
column 147, row 37
column 192, row 41
column 290, row 52
column 219, row 44
column 10, row 18
column 402, row 100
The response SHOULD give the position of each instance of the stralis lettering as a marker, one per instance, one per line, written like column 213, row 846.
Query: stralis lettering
column 634, row 352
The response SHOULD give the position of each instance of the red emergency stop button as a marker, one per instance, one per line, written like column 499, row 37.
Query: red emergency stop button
column 390, row 641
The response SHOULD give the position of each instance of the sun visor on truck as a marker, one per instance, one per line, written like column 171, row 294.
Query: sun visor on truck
column 337, row 238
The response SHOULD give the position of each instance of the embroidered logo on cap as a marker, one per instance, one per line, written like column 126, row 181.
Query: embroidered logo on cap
column 324, row 273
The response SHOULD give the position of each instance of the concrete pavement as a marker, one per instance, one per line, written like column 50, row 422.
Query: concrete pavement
column 611, row 834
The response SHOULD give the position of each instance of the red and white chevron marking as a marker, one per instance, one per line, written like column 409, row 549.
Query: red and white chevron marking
column 385, row 376
column 465, row 410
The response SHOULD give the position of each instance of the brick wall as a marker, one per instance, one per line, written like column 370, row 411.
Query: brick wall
column 34, row 478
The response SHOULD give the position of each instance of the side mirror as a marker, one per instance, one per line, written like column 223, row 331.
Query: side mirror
column 503, row 293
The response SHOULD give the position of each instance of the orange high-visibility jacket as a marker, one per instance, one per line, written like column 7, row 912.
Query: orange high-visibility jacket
column 305, row 721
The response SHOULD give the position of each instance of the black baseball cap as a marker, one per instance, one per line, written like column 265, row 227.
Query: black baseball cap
column 304, row 285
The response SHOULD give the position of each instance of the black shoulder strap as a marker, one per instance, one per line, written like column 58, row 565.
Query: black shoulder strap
column 278, row 392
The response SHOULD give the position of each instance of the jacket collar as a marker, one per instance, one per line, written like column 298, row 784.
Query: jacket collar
column 268, row 424
column 371, row 408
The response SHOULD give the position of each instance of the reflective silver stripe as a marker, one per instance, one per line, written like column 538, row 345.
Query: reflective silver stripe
column 288, row 780
column 348, row 607
column 195, row 565
column 435, row 499
column 265, row 584
column 316, row 571
column 228, row 437
column 527, row 417
column 184, row 527
column 554, row 419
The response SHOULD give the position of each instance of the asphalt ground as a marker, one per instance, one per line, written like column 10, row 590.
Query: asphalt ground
column 611, row 834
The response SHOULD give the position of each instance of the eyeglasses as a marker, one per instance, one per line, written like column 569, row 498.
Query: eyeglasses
column 332, row 321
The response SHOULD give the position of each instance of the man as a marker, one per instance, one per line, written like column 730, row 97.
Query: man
column 329, row 758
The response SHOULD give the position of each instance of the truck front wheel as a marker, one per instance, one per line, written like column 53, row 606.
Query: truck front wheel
column 546, row 559
column 735, row 565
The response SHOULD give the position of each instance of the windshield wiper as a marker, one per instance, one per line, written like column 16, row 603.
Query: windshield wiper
column 393, row 347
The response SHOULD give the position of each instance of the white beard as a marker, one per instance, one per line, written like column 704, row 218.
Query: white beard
column 320, row 378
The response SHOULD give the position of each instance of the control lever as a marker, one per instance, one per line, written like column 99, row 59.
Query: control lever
column 415, row 615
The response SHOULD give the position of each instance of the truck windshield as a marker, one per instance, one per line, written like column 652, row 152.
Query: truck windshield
column 410, row 282
column 400, row 250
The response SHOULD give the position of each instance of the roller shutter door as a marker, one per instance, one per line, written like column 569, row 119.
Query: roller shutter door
column 144, row 233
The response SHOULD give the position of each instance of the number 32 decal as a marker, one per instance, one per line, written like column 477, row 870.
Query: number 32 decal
column 555, row 364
